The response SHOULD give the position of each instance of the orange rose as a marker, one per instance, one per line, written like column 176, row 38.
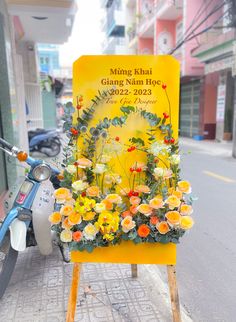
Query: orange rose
column 55, row 218
column 154, row 220
column 145, row 209
column 142, row 189
column 77, row 236
column 163, row 227
column 74, row 218
column 173, row 217
column 92, row 191
column 173, row 202
column 174, row 192
column 184, row 186
column 84, row 163
column 66, row 210
column 61, row 194
column 143, row 231
column 66, row 224
column 186, row 209
column 126, row 213
column 134, row 200
column 156, row 203
column 133, row 209
column 114, row 198
column 108, row 204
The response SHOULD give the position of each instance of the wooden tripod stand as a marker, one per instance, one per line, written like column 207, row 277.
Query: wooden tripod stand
column 174, row 297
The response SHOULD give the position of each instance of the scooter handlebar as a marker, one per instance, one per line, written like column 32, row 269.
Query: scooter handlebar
column 5, row 144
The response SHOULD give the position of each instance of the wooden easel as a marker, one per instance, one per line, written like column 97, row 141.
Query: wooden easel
column 174, row 297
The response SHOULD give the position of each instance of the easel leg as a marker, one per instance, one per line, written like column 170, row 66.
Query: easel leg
column 134, row 270
column 71, row 308
column 174, row 297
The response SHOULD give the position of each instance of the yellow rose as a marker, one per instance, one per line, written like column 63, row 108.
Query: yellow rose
column 114, row 198
column 66, row 236
column 156, row 203
column 62, row 194
column 89, row 215
column 74, row 218
column 92, row 191
column 145, row 209
column 66, row 210
column 90, row 232
column 184, row 186
column 172, row 191
column 173, row 202
column 65, row 224
column 127, row 224
column 55, row 218
column 186, row 209
column 173, row 217
column 186, row 222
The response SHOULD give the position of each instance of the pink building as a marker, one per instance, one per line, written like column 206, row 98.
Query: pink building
column 157, row 27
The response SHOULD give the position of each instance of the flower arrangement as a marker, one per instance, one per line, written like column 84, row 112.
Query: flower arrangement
column 98, row 207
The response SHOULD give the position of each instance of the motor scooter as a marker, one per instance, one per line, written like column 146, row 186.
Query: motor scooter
column 45, row 141
column 26, row 224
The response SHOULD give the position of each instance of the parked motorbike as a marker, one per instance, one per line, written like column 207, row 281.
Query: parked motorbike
column 26, row 224
column 44, row 141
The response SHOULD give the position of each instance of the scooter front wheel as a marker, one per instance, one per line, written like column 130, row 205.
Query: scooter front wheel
column 8, row 258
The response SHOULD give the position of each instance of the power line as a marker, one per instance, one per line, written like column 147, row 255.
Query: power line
column 214, row 10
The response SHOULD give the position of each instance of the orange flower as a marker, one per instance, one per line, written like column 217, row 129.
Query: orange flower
column 77, row 236
column 108, row 204
column 163, row 227
column 74, row 218
column 143, row 231
column 145, row 209
column 154, row 220
column 142, row 189
column 114, row 198
column 173, row 202
column 92, row 191
column 126, row 213
column 133, row 209
column 156, row 203
column 186, row 222
column 55, row 218
column 84, row 163
column 61, row 194
column 135, row 200
column 173, row 217
column 184, row 186
column 186, row 209
column 66, row 210
column 66, row 224
column 174, row 192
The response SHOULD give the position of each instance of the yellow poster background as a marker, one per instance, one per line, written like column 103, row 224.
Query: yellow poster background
column 147, row 82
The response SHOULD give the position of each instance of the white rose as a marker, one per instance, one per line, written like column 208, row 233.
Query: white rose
column 79, row 185
column 90, row 232
column 100, row 168
column 71, row 168
column 174, row 159
column 99, row 207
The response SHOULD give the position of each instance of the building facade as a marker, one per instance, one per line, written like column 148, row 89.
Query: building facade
column 204, row 47
column 23, row 24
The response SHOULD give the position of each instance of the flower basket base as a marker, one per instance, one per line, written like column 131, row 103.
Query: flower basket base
column 129, row 253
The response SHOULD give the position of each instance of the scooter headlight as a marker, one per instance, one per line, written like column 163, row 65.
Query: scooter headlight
column 41, row 172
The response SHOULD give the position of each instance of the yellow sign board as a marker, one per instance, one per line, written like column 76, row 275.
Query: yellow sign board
column 149, row 83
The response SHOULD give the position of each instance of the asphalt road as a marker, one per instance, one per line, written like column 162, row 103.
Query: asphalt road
column 206, row 267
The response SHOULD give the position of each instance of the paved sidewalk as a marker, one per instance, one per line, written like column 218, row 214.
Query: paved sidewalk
column 39, row 289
